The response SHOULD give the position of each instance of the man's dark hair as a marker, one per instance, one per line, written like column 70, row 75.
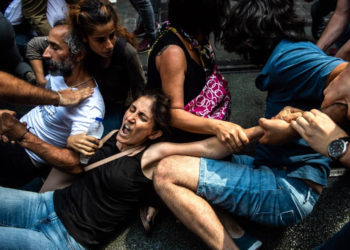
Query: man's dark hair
column 204, row 16
column 255, row 27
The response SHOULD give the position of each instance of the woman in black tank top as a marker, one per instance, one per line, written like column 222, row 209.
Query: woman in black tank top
column 181, row 62
column 93, row 210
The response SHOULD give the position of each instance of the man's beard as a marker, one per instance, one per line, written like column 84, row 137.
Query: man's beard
column 60, row 69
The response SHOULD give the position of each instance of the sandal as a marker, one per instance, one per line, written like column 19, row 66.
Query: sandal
column 144, row 212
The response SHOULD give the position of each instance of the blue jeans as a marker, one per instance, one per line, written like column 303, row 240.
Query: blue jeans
column 261, row 194
column 28, row 221
column 145, row 10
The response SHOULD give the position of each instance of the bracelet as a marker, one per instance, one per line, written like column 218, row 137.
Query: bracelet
column 22, row 136
column 59, row 98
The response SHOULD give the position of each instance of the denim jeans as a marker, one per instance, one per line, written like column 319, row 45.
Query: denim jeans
column 261, row 194
column 28, row 221
column 145, row 10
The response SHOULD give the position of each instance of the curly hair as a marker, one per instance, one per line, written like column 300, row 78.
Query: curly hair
column 204, row 16
column 255, row 27
column 85, row 15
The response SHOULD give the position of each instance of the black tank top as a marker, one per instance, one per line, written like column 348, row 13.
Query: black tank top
column 97, row 206
column 195, row 80
column 195, row 77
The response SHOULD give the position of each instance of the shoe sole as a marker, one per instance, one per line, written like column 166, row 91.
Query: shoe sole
column 255, row 246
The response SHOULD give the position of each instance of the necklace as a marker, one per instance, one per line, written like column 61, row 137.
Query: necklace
column 81, row 83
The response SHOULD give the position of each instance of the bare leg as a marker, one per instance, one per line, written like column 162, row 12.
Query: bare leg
column 176, row 180
column 230, row 224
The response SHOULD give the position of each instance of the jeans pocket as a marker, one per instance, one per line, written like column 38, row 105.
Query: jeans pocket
column 287, row 218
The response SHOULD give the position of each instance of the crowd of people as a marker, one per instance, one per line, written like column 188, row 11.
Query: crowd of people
column 167, row 137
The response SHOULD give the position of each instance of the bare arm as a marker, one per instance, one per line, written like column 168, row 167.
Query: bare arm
column 15, row 90
column 344, row 51
column 336, row 25
column 319, row 131
column 65, row 159
column 210, row 148
column 35, row 48
column 38, row 68
column 171, row 64
column 278, row 131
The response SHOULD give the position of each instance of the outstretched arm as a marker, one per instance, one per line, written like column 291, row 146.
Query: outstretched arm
column 65, row 159
column 210, row 148
column 15, row 90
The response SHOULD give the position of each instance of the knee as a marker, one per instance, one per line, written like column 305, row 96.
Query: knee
column 162, row 175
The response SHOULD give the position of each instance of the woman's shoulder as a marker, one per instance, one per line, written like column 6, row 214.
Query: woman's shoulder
column 166, row 40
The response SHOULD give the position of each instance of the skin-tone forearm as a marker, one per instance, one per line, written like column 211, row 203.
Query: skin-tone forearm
column 336, row 25
column 209, row 148
column 38, row 69
column 344, row 51
column 62, row 158
column 15, row 90
column 228, row 132
column 319, row 130
column 278, row 131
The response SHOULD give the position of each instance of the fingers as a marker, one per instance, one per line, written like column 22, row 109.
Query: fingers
column 85, row 92
column 238, row 139
column 303, row 123
column 263, row 122
column 92, row 141
column 298, row 128
column 72, row 97
column 85, row 150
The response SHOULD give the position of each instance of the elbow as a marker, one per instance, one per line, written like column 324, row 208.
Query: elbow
column 73, row 169
column 71, row 165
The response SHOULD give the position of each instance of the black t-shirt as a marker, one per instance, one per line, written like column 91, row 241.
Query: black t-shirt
column 98, row 205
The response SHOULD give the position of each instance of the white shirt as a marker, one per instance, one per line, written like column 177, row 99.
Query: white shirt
column 55, row 124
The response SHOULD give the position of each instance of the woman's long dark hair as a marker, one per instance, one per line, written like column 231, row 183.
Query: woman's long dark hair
column 255, row 27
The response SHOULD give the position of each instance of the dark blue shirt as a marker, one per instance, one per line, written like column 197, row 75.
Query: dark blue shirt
column 295, row 75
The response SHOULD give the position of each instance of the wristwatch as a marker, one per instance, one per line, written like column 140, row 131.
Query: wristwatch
column 338, row 147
